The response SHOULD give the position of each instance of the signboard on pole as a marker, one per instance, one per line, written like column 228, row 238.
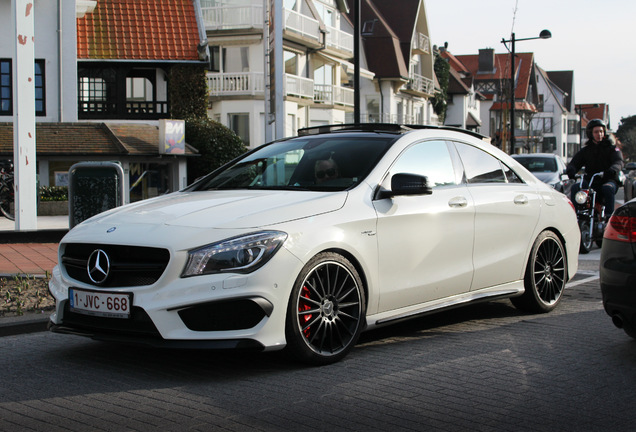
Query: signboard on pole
column 171, row 136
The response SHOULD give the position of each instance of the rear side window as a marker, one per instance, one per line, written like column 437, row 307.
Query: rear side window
column 511, row 176
column 479, row 166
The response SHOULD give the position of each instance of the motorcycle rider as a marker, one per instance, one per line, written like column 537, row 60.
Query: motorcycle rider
column 599, row 154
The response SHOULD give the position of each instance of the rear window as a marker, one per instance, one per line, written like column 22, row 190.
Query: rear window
column 538, row 164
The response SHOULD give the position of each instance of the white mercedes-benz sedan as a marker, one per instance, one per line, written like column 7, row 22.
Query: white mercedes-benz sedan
column 305, row 242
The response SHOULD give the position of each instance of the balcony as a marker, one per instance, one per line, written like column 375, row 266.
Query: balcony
column 129, row 110
column 339, row 40
column 236, row 84
column 306, row 28
column 420, row 84
column 232, row 17
column 299, row 86
column 253, row 84
column 421, row 44
column 388, row 118
column 333, row 95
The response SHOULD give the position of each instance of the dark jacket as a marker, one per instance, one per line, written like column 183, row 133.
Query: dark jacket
column 604, row 156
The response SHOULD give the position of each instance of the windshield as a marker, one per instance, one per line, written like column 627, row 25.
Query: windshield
column 538, row 164
column 334, row 162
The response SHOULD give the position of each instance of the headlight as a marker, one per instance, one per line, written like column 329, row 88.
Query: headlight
column 580, row 197
column 242, row 254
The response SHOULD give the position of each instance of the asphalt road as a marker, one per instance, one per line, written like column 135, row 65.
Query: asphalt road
column 486, row 367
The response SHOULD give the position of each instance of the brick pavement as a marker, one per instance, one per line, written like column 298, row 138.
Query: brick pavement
column 485, row 367
column 35, row 259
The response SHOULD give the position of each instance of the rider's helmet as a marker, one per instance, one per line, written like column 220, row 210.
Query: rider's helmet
column 592, row 124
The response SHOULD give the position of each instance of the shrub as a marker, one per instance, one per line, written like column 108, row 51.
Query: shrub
column 53, row 193
column 216, row 143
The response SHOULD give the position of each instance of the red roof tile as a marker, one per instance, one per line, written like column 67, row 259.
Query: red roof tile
column 96, row 139
column 139, row 30
column 523, row 65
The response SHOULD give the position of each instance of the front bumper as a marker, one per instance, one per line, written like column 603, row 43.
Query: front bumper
column 219, row 311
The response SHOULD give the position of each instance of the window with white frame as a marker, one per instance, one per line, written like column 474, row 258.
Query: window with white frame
column 327, row 12
column 542, row 124
column 240, row 124
column 6, row 87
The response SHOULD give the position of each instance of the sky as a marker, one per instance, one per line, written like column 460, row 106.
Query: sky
column 595, row 39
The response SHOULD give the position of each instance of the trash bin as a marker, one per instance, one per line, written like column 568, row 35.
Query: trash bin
column 94, row 187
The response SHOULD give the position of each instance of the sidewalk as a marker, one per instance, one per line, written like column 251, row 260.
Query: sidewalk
column 31, row 253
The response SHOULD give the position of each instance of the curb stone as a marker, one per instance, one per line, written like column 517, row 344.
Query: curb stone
column 30, row 322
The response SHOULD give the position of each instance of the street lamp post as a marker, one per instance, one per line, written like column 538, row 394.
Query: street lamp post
column 545, row 34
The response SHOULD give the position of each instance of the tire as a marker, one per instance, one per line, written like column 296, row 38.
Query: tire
column 6, row 204
column 586, row 238
column 546, row 275
column 326, row 310
column 629, row 331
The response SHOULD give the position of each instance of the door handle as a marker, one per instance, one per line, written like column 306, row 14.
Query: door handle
column 521, row 199
column 458, row 202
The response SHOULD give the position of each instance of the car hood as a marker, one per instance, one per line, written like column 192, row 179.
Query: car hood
column 223, row 209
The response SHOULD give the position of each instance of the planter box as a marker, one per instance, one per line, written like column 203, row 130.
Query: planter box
column 53, row 208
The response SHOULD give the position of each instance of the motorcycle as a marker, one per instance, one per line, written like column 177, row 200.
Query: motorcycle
column 590, row 213
column 7, row 192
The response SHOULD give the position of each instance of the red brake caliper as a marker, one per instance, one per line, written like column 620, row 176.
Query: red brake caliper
column 303, row 306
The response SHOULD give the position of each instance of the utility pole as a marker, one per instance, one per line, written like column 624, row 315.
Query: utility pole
column 24, row 160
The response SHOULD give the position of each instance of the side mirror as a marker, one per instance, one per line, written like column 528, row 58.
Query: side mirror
column 407, row 184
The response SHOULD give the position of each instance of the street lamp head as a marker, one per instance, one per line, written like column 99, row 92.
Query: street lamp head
column 545, row 34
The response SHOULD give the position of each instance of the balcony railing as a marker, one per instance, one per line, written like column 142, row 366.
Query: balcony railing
column 131, row 110
column 232, row 17
column 420, row 84
column 389, row 118
column 253, row 83
column 339, row 40
column 299, row 86
column 333, row 95
column 236, row 84
column 421, row 43
column 301, row 24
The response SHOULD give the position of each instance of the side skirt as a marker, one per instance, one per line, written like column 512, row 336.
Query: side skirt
column 512, row 289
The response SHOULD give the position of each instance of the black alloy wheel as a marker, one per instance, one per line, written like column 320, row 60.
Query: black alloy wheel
column 326, row 310
column 546, row 275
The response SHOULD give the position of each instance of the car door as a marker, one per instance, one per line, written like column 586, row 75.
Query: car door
column 425, row 242
column 506, row 215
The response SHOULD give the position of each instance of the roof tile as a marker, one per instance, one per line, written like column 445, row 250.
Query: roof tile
column 75, row 139
column 140, row 29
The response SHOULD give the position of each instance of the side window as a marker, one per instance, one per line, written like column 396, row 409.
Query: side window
column 511, row 176
column 479, row 166
column 431, row 159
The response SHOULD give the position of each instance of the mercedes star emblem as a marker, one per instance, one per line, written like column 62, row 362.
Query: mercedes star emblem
column 98, row 266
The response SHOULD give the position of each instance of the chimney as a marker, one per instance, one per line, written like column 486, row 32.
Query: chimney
column 487, row 60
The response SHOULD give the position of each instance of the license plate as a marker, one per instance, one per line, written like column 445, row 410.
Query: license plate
column 107, row 304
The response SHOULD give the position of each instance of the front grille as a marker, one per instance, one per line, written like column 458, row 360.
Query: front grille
column 139, row 324
column 129, row 265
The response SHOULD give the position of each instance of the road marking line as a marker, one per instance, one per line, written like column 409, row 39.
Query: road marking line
column 582, row 281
